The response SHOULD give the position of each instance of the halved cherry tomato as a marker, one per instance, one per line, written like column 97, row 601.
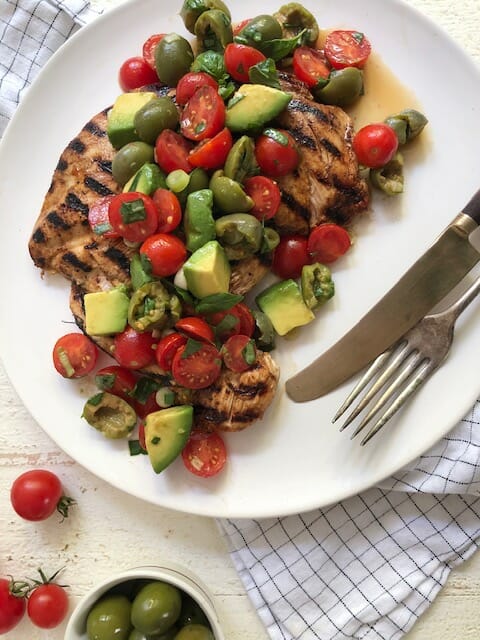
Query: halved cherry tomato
column 212, row 152
column 276, row 152
column 238, row 26
column 190, row 82
column 165, row 252
column 327, row 242
column 169, row 210
column 167, row 348
column 171, row 151
column 197, row 368
column 265, row 194
column 247, row 321
column 148, row 49
column 375, row 145
column 204, row 115
column 204, row 454
column 195, row 328
column 133, row 215
column 345, row 48
column 98, row 218
column 149, row 406
column 239, row 58
column 136, row 72
column 310, row 65
column 290, row 256
column 239, row 353
column 116, row 380
column 74, row 355
column 134, row 350
column 237, row 319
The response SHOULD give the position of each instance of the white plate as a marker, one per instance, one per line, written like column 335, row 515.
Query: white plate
column 295, row 460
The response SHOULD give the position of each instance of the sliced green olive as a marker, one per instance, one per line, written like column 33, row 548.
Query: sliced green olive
column 110, row 414
column 264, row 334
column 270, row 240
column 228, row 195
column 241, row 162
column 173, row 58
column 407, row 124
column 294, row 18
column 342, row 88
column 317, row 284
column 240, row 234
column 128, row 160
column 260, row 29
column 193, row 9
column 154, row 117
column 213, row 30
column 389, row 178
column 153, row 307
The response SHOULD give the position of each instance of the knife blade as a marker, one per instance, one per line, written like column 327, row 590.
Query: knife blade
column 422, row 286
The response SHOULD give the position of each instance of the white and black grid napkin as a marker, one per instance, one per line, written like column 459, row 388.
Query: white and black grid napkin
column 361, row 569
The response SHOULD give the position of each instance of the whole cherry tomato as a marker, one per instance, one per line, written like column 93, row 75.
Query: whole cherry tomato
column 136, row 72
column 165, row 252
column 290, row 256
column 276, row 152
column 37, row 494
column 134, row 350
column 12, row 607
column 375, row 145
column 47, row 604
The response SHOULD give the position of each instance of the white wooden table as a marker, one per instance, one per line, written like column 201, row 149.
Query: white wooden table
column 110, row 530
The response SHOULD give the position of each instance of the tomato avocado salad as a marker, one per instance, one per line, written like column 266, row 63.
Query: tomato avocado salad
column 229, row 155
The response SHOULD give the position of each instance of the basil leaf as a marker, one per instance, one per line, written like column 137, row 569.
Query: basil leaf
column 264, row 72
column 248, row 352
column 191, row 347
column 228, row 322
column 144, row 388
column 278, row 136
column 283, row 47
column 133, row 211
column 135, row 448
column 96, row 399
column 217, row 302
column 146, row 264
column 211, row 62
column 105, row 381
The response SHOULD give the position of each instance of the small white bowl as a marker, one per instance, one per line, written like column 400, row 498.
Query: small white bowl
column 174, row 574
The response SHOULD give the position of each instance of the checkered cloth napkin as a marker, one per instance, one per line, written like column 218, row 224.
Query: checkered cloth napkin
column 364, row 568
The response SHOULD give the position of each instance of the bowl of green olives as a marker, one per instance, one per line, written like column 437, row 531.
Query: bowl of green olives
column 146, row 603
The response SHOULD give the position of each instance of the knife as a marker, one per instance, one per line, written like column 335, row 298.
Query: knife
column 427, row 281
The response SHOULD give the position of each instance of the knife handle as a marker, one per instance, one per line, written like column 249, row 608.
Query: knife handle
column 472, row 208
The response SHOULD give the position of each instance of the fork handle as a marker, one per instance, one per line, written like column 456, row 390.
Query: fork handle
column 472, row 208
column 465, row 299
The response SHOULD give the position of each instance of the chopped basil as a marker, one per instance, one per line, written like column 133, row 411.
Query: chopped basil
column 217, row 302
column 96, row 399
column 278, row 136
column 149, row 305
column 105, row 381
column 136, row 448
column 144, row 388
column 264, row 72
column 100, row 229
column 133, row 211
column 155, row 440
column 201, row 126
column 248, row 352
column 228, row 322
column 146, row 264
column 191, row 347
column 358, row 36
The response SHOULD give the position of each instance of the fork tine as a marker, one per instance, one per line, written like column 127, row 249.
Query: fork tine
column 427, row 369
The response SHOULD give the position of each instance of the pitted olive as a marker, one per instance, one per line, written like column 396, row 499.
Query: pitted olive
column 129, row 159
column 294, row 18
column 173, row 58
column 213, row 30
column 343, row 87
column 193, row 9
column 241, row 162
column 228, row 195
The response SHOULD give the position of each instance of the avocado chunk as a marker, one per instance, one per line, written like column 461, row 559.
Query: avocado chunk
column 106, row 311
column 147, row 179
column 166, row 433
column 283, row 304
column 207, row 271
column 253, row 105
column 198, row 222
column 120, row 119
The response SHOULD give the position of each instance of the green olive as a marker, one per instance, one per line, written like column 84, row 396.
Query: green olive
column 195, row 632
column 193, row 9
column 154, row 117
column 199, row 179
column 156, row 608
column 168, row 635
column 317, row 284
column 192, row 612
column 173, row 58
column 389, row 178
column 294, row 18
column 260, row 29
column 342, row 89
column 241, row 162
column 111, row 415
column 128, row 160
column 109, row 618
column 213, row 30
column 229, row 196
column 270, row 240
column 152, row 307
column 407, row 124
column 240, row 234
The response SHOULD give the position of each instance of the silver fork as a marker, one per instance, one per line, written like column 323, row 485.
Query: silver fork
column 405, row 366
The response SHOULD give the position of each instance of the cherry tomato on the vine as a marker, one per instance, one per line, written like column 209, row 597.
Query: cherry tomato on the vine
column 211, row 153
column 327, row 242
column 171, row 151
column 375, row 145
column 204, row 454
column 276, row 152
column 290, row 256
column 198, row 368
column 310, row 65
column 134, row 350
column 265, row 194
column 195, row 328
column 203, row 115
column 190, row 82
column 148, row 49
column 344, row 48
column 167, row 348
column 74, row 355
column 169, row 210
column 47, row 605
column 239, row 58
column 165, row 252
column 37, row 494
column 136, row 72
column 133, row 215
column 12, row 607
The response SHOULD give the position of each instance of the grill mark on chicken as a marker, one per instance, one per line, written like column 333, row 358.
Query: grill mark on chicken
column 119, row 258
column 105, row 166
column 91, row 245
column 330, row 147
column 56, row 221
column 249, row 390
column 38, row 236
column 72, row 259
column 305, row 107
column 292, row 203
column 95, row 130
column 73, row 202
column 77, row 145
column 62, row 165
column 96, row 186
column 302, row 139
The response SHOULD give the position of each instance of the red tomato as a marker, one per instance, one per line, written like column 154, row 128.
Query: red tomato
column 276, row 152
column 239, row 353
column 265, row 194
column 149, row 406
column 169, row 210
column 195, row 328
column 290, row 256
column 133, row 215
column 347, row 49
column 12, row 607
column 165, row 252
column 239, row 58
column 148, row 50
column 212, row 152
column 247, row 321
column 141, row 436
column 327, row 242
column 237, row 319
column 136, row 72
column 204, row 114
column 74, row 355
column 171, row 151
column 375, row 145
column 238, row 26
column 167, row 348
column 98, row 218
column 116, row 380
column 36, row 494
column 190, row 82
column 204, row 454
column 47, row 605
column 310, row 65
column 134, row 350
column 199, row 369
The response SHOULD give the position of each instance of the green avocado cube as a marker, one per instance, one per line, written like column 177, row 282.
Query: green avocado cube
column 207, row 271
column 106, row 311
column 283, row 303
column 120, row 119
column 253, row 105
column 166, row 434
